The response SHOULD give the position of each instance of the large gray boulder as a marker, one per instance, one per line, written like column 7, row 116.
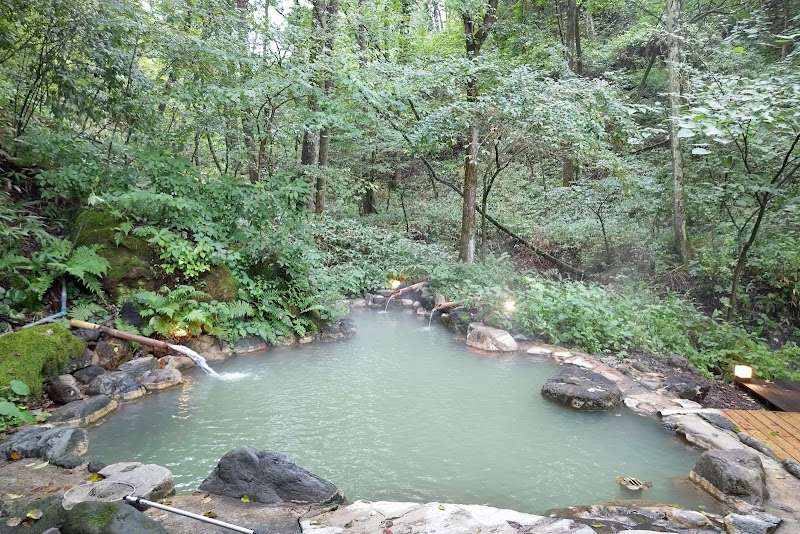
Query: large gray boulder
column 152, row 482
column 249, row 344
column 161, row 378
column 755, row 523
column 267, row 477
column 792, row 466
column 211, row 348
column 112, row 351
column 732, row 474
column 582, row 390
column 89, row 373
column 58, row 445
column 490, row 339
column 63, row 389
column 138, row 366
column 117, row 385
column 109, row 518
column 83, row 412
column 364, row 517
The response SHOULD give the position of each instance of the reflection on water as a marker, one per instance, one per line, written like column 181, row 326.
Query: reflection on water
column 401, row 412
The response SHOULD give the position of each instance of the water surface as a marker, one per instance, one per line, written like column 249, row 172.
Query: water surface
column 403, row 412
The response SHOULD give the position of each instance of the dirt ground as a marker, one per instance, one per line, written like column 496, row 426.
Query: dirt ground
column 720, row 394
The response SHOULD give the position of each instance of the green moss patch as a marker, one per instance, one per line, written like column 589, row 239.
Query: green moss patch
column 134, row 264
column 219, row 283
column 37, row 352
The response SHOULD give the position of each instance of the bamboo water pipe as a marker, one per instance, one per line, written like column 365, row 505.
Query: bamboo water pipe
column 406, row 289
column 448, row 305
column 122, row 335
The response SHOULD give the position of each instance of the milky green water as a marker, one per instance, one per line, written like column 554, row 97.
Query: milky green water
column 402, row 412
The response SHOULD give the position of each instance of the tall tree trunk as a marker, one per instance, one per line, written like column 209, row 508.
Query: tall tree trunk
column 248, row 127
column 570, row 11
column 676, row 105
column 590, row 26
column 467, row 242
column 328, row 25
column 577, row 36
column 474, row 37
column 567, row 171
column 308, row 157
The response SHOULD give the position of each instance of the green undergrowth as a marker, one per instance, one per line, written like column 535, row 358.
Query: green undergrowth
column 591, row 317
column 36, row 352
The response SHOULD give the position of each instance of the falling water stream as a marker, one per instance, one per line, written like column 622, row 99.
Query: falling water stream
column 401, row 412
column 196, row 358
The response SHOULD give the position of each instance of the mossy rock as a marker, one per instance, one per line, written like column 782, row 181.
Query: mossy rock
column 109, row 518
column 134, row 265
column 37, row 352
column 219, row 283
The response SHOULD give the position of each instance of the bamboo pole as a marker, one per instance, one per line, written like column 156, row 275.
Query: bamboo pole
column 120, row 334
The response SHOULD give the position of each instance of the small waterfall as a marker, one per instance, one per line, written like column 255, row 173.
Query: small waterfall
column 196, row 358
column 386, row 309
column 430, row 319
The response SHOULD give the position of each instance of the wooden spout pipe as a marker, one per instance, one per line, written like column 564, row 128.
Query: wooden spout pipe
column 409, row 288
column 448, row 305
column 120, row 334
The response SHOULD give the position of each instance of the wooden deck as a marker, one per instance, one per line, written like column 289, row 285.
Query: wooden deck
column 782, row 395
column 780, row 431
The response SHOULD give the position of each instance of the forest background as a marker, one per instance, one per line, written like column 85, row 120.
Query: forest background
column 625, row 172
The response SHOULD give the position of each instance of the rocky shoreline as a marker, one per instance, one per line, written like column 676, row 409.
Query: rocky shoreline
column 759, row 493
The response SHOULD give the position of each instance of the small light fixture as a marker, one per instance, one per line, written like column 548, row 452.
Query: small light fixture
column 395, row 283
column 510, row 306
column 742, row 373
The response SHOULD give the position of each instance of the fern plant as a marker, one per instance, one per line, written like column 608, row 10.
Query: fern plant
column 186, row 312
column 84, row 264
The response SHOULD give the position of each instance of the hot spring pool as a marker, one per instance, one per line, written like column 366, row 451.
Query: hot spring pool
column 402, row 412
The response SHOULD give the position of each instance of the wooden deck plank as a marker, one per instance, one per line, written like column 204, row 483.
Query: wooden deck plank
column 782, row 394
column 784, row 433
column 779, row 430
column 791, row 418
column 785, row 420
column 762, row 429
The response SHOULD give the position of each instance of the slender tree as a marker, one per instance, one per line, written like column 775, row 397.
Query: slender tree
column 676, row 106
column 475, row 34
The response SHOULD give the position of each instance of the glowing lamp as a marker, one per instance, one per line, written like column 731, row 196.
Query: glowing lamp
column 742, row 373
column 510, row 306
column 395, row 283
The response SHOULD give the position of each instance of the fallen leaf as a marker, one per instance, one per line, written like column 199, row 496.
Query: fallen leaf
column 441, row 507
column 14, row 456
column 39, row 466
column 210, row 514
column 96, row 477
column 34, row 514
column 13, row 496
column 206, row 500
column 598, row 525
column 245, row 498
column 14, row 521
column 313, row 522
column 165, row 502
column 51, row 489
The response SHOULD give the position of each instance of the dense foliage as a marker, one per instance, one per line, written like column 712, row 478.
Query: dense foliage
column 304, row 151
